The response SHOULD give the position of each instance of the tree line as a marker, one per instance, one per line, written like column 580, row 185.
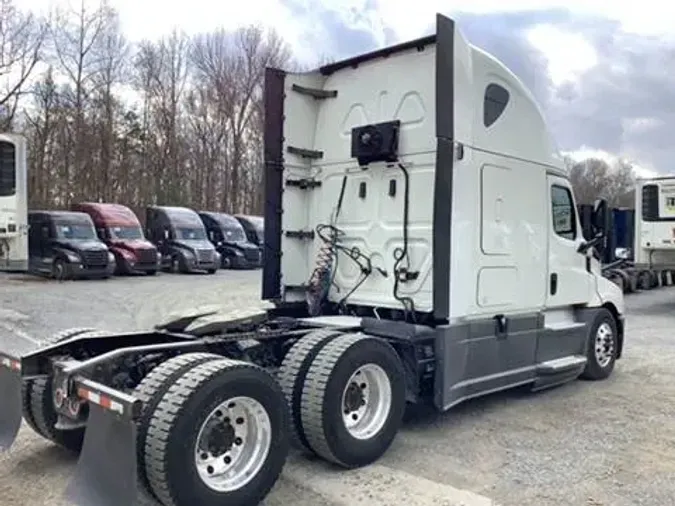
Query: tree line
column 177, row 121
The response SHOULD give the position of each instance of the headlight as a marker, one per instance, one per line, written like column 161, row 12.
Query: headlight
column 72, row 257
column 111, row 257
column 238, row 253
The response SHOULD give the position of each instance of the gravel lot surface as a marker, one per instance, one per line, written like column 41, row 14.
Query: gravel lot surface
column 591, row 444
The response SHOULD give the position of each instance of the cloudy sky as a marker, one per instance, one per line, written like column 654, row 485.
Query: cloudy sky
column 603, row 71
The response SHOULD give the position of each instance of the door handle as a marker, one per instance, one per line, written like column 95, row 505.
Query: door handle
column 554, row 283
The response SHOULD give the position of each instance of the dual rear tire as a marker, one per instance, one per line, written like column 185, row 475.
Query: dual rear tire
column 346, row 396
column 213, row 431
column 216, row 431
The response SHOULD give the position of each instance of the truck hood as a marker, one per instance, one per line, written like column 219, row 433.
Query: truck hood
column 243, row 245
column 88, row 245
column 195, row 245
column 133, row 245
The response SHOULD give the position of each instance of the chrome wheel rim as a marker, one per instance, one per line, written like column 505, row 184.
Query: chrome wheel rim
column 366, row 401
column 604, row 344
column 233, row 444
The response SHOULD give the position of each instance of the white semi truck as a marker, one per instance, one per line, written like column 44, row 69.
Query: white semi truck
column 13, row 204
column 649, row 262
column 422, row 245
column 654, row 238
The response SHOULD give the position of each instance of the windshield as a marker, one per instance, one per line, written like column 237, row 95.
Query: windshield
column 126, row 233
column 190, row 234
column 75, row 232
column 234, row 234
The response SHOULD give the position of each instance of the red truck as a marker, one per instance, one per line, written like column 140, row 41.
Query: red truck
column 118, row 227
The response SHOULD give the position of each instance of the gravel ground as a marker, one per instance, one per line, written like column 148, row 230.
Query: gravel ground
column 606, row 443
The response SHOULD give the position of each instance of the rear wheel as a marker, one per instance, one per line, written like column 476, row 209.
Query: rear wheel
column 353, row 400
column 38, row 401
column 292, row 375
column 218, row 436
column 150, row 392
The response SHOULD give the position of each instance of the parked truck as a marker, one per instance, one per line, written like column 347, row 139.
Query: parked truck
column 638, row 252
column 180, row 237
column 228, row 236
column 254, row 227
column 403, row 266
column 64, row 245
column 13, row 204
column 119, row 228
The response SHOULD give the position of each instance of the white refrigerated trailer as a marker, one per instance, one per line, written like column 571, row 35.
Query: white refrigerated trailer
column 13, row 204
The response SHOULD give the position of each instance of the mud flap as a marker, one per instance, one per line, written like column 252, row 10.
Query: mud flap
column 11, row 412
column 106, row 472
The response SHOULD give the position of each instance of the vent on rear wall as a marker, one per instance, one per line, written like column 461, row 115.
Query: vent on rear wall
column 650, row 202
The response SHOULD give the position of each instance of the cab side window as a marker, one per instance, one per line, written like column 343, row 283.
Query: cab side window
column 564, row 217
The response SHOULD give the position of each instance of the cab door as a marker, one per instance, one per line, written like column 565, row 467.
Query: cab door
column 569, row 279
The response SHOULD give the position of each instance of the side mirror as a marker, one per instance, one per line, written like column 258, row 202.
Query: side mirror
column 599, row 217
column 599, row 226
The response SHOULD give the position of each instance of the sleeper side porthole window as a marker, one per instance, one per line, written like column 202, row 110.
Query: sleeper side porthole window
column 495, row 101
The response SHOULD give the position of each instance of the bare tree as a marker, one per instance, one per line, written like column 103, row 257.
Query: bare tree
column 75, row 36
column 162, row 70
column 595, row 178
column 22, row 37
column 43, row 122
column 111, row 51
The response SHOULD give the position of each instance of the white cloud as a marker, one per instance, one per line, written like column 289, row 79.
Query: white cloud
column 568, row 54
column 153, row 18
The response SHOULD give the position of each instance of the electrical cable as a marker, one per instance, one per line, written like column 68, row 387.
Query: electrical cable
column 401, row 273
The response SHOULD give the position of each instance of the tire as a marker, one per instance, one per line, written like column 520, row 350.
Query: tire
column 644, row 280
column 211, row 271
column 176, row 423
column 327, row 380
column 291, row 377
column 27, row 385
column 150, row 391
column 604, row 327
column 38, row 403
column 654, row 275
column 59, row 270
column 151, row 273
column 176, row 267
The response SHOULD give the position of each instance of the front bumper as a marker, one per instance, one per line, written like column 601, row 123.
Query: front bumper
column 193, row 265
column 142, row 268
column 241, row 262
column 80, row 271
